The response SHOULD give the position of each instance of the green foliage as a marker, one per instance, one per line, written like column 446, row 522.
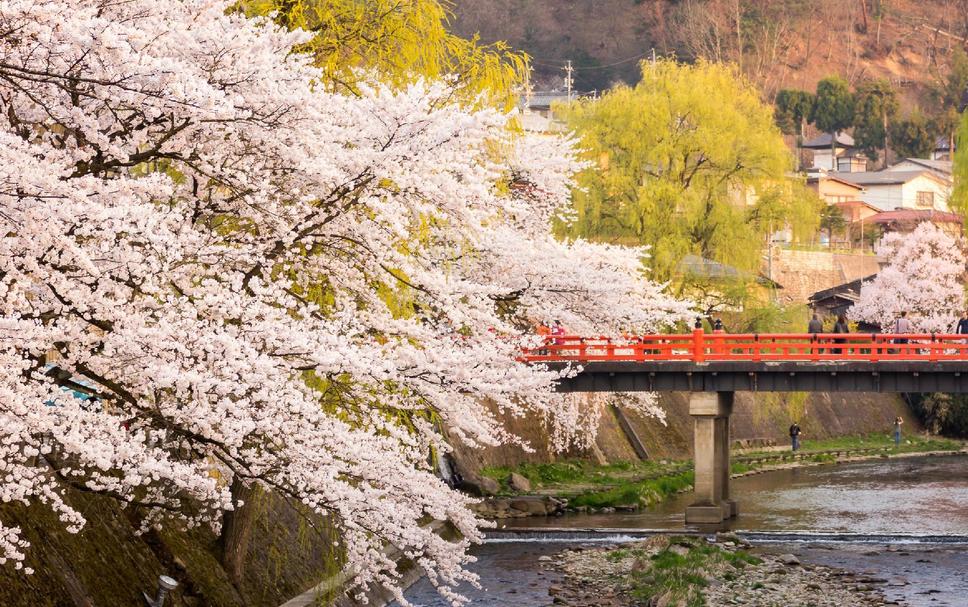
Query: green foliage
column 948, row 93
column 643, row 493
column 679, row 576
column 834, row 109
column 876, row 105
column 832, row 220
column 959, row 197
column 400, row 41
column 913, row 137
column 793, row 108
column 943, row 413
column 676, row 162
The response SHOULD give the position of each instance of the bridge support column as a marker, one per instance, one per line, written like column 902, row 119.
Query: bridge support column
column 711, row 411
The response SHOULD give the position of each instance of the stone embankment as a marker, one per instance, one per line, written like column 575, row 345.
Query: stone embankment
column 674, row 571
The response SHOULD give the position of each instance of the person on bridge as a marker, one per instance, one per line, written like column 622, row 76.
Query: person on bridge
column 962, row 327
column 558, row 331
column 840, row 327
column 902, row 327
column 795, row 436
column 813, row 327
column 544, row 331
column 897, row 430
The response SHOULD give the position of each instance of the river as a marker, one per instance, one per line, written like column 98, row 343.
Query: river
column 903, row 520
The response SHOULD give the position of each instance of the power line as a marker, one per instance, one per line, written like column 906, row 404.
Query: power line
column 595, row 67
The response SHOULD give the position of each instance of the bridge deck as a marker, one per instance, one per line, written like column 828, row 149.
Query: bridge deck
column 721, row 362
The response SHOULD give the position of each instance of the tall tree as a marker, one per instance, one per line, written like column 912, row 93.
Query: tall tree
column 677, row 163
column 876, row 105
column 793, row 109
column 949, row 96
column 923, row 277
column 176, row 187
column 833, row 111
column 913, row 137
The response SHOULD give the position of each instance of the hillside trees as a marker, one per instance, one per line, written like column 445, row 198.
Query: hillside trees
column 251, row 276
column 682, row 162
column 793, row 110
column 876, row 104
column 834, row 110
column 923, row 276
column 914, row 136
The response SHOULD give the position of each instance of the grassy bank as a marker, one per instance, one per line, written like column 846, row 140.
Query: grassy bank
column 640, row 484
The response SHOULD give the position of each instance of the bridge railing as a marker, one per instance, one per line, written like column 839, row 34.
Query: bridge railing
column 717, row 346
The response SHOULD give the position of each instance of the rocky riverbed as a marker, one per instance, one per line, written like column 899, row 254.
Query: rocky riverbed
column 669, row 571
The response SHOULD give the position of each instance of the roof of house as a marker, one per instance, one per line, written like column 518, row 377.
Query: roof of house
column 875, row 178
column 942, row 143
column 940, row 166
column 828, row 177
column 856, row 203
column 822, row 141
column 915, row 216
column 700, row 266
column 848, row 290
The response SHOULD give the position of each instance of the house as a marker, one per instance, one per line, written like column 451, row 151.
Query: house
column 942, row 148
column 905, row 220
column 890, row 190
column 942, row 168
column 837, row 300
column 852, row 161
column 856, row 210
column 821, row 149
column 833, row 189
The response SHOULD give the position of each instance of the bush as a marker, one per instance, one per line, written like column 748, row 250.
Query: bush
column 942, row 413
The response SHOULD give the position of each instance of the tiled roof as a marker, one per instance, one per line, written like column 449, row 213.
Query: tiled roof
column 915, row 215
column 823, row 141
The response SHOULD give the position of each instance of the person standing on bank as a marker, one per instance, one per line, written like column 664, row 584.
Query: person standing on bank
column 840, row 327
column 795, row 436
column 897, row 430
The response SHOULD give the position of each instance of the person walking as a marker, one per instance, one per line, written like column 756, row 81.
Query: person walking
column 840, row 327
column 795, row 436
column 814, row 327
column 897, row 430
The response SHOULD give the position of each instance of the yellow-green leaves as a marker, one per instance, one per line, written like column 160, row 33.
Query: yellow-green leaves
column 400, row 42
column 687, row 161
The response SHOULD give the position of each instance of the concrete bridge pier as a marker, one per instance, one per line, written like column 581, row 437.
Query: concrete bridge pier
column 711, row 411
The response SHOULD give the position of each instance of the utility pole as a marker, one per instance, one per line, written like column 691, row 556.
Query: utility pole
column 653, row 55
column 568, row 80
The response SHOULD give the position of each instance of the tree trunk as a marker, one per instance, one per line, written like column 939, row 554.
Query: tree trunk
column 800, row 147
column 884, row 161
column 833, row 151
column 237, row 530
column 863, row 11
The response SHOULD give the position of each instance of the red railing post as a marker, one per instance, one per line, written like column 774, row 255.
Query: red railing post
column 698, row 346
column 933, row 347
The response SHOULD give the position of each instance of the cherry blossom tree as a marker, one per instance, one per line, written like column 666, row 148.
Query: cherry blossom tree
column 248, row 279
column 924, row 276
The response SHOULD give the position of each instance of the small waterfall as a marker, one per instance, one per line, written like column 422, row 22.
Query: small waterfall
column 445, row 469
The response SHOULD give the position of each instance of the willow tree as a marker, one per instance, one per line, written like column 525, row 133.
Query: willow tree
column 959, row 198
column 399, row 43
column 689, row 161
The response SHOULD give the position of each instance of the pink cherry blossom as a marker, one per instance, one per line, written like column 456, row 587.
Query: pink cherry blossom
column 249, row 276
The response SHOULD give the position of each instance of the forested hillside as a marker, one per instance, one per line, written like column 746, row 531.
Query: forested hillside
column 779, row 43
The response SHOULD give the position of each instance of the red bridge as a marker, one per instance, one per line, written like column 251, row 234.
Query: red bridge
column 700, row 347
column 713, row 366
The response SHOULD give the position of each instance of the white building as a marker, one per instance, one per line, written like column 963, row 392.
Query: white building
column 899, row 189
column 820, row 145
